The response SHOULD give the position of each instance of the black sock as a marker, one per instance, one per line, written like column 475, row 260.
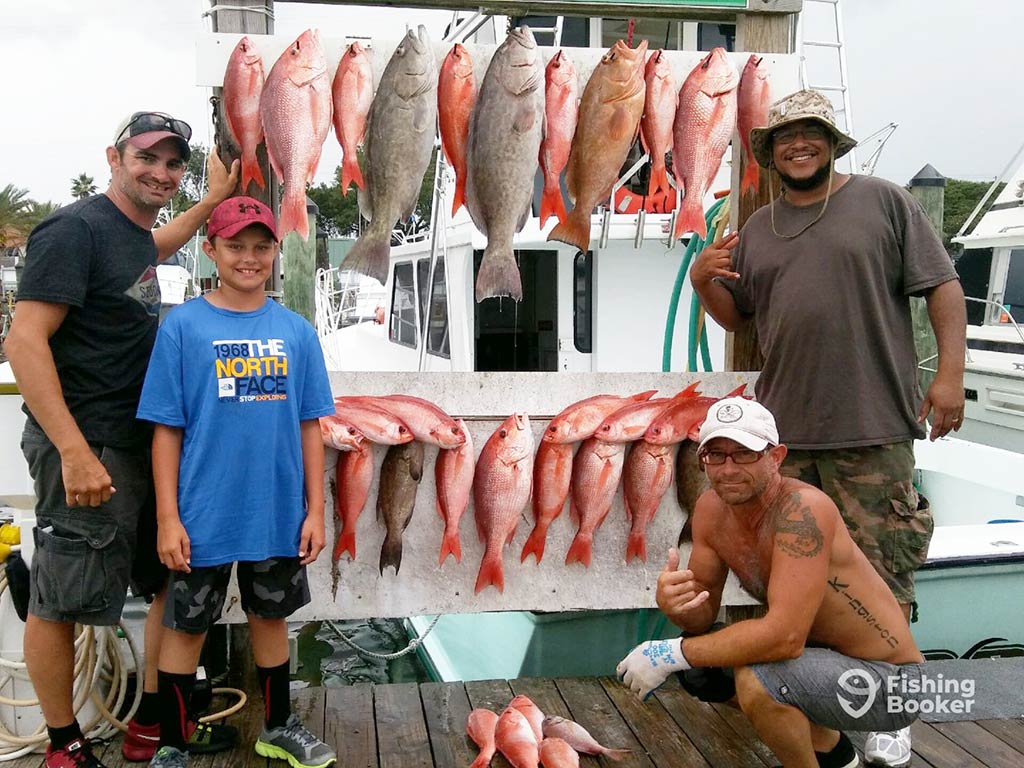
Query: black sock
column 61, row 737
column 174, row 692
column 276, row 703
column 841, row 754
column 148, row 712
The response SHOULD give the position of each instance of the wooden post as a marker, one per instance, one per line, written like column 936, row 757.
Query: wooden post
column 763, row 33
column 929, row 187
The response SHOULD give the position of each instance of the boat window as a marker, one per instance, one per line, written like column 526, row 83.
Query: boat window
column 583, row 301
column 403, row 307
column 437, row 319
column 711, row 34
column 1013, row 294
column 575, row 29
column 974, row 267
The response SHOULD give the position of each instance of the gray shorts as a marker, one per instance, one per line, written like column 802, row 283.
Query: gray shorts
column 840, row 692
column 270, row 589
column 83, row 558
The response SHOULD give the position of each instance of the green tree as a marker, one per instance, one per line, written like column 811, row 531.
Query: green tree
column 14, row 208
column 193, row 182
column 36, row 212
column 83, row 186
column 960, row 198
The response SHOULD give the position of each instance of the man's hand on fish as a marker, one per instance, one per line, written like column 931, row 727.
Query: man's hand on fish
column 944, row 401
column 678, row 592
column 312, row 539
column 222, row 182
column 648, row 665
column 174, row 546
column 716, row 261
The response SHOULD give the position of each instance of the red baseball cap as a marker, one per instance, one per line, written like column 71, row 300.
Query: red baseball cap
column 236, row 213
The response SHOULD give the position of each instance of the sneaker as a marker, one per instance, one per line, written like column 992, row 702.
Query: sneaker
column 294, row 742
column 75, row 754
column 169, row 757
column 842, row 755
column 888, row 748
column 141, row 741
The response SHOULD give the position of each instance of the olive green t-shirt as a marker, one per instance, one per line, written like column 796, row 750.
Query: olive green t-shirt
column 833, row 315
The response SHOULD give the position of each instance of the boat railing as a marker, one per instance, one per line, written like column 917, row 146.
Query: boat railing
column 967, row 350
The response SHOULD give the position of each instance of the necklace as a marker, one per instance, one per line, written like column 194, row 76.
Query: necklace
column 824, row 205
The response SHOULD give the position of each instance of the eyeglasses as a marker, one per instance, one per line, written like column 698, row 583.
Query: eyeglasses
column 147, row 122
column 742, row 456
column 812, row 132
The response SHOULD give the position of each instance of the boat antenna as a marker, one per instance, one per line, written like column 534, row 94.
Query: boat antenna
column 991, row 190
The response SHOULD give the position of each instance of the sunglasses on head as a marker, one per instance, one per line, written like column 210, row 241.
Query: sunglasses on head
column 147, row 122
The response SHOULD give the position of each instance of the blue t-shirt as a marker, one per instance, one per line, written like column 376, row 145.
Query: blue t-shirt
column 238, row 384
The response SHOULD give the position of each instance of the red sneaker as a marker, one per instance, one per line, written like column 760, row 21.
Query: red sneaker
column 74, row 755
column 140, row 742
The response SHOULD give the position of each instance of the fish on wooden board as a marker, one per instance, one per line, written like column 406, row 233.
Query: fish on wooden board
column 682, row 420
column 243, row 86
column 515, row 739
column 453, row 474
column 456, row 95
column 480, row 727
column 656, row 124
column 561, row 107
column 504, row 144
column 531, row 712
column 552, row 475
column 399, row 141
column 631, row 421
column 704, row 124
column 754, row 96
column 579, row 738
column 378, row 425
column 596, row 471
column 556, row 753
column 339, row 434
column 352, row 94
column 501, row 488
column 296, row 110
column 427, row 421
column 353, row 478
column 607, row 127
column 645, row 478
column 396, row 498
column 580, row 420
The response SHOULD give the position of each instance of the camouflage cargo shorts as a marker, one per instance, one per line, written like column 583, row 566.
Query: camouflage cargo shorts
column 874, row 490
column 270, row 589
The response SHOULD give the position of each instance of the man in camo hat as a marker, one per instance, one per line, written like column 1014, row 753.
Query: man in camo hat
column 826, row 272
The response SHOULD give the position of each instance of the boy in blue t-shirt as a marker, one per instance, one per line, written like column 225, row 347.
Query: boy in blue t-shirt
column 235, row 386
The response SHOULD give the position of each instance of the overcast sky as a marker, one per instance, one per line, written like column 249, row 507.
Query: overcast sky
column 947, row 71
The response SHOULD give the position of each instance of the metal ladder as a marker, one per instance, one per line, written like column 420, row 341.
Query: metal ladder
column 835, row 42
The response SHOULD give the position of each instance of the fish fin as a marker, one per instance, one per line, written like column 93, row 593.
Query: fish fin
column 738, row 392
column 459, row 198
column 525, row 118
column 621, row 125
column 535, row 544
column 293, row 216
column 625, row 503
column 525, row 216
column 581, row 549
column 274, row 165
column 365, row 203
column 499, row 274
column 574, row 230
column 482, row 760
column 416, row 464
column 350, row 172
column 251, row 172
column 346, row 543
column 391, row 552
column 491, row 573
column 617, row 754
column 690, row 391
column 370, row 255
column 551, row 203
column 637, row 546
column 691, row 218
column 642, row 397
column 574, row 511
column 751, row 177
column 450, row 545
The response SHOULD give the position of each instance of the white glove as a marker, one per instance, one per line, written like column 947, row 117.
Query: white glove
column 648, row 665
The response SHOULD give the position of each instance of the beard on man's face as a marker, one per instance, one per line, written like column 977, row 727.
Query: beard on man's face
column 813, row 181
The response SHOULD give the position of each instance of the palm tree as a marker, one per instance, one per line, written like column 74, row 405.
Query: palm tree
column 14, row 207
column 36, row 212
column 82, row 186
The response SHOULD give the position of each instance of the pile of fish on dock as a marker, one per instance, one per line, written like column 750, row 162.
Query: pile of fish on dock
column 510, row 471
column 522, row 117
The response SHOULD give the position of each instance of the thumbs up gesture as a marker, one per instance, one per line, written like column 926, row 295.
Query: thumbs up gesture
column 679, row 593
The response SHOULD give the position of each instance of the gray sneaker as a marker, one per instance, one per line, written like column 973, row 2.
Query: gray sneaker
column 296, row 744
column 169, row 757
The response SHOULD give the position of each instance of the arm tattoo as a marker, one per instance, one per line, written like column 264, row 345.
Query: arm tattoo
column 796, row 530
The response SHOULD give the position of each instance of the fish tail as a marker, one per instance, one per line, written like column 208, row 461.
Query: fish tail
column 574, row 229
column 369, row 256
column 391, row 552
column 691, row 218
column 499, row 274
column 581, row 549
column 293, row 217
column 751, row 177
column 350, row 172
column 491, row 572
column 482, row 760
column 450, row 545
column 659, row 180
column 551, row 203
column 636, row 546
column 617, row 754
column 459, row 198
column 535, row 543
column 346, row 543
column 251, row 171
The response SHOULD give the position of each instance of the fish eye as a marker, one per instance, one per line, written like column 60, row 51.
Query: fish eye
column 503, row 433
column 401, row 430
column 352, row 431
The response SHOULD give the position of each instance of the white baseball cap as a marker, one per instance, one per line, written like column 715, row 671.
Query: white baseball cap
column 747, row 422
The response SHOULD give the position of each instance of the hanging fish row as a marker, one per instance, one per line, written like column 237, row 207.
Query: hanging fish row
column 509, row 472
column 495, row 137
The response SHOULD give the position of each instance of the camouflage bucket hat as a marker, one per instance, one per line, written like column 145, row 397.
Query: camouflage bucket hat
column 802, row 105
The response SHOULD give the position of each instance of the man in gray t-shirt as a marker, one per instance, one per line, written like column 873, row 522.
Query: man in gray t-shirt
column 826, row 273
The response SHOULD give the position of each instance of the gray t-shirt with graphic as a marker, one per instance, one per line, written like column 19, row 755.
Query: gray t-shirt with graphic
column 832, row 313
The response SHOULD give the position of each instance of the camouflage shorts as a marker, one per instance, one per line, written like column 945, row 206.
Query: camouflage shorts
column 270, row 589
column 874, row 490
